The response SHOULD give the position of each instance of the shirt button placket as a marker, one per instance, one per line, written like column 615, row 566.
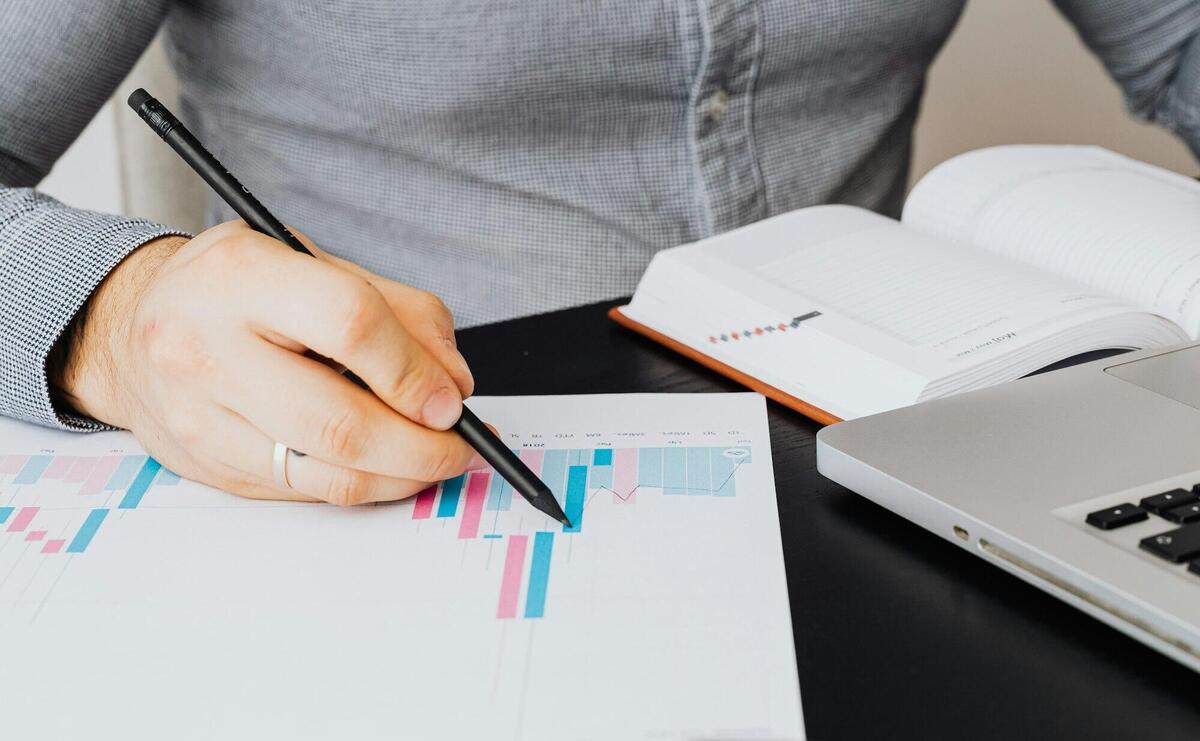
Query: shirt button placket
column 724, row 146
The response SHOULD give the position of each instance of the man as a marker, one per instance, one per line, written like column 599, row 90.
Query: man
column 510, row 157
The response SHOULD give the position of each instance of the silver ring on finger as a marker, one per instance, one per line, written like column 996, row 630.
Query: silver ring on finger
column 279, row 466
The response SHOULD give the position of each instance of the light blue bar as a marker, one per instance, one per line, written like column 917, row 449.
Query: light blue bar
column 602, row 476
column 33, row 469
column 499, row 494
column 721, row 472
column 167, row 477
column 602, row 457
column 674, row 471
column 5, row 513
column 492, row 536
column 451, row 489
column 554, row 472
column 539, row 574
column 576, row 494
column 82, row 538
column 650, row 463
column 699, row 480
column 137, row 490
column 125, row 472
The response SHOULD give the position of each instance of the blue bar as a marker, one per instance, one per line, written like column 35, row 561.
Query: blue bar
column 491, row 536
column 137, row 490
column 125, row 472
column 539, row 575
column 650, row 461
column 82, row 538
column 451, row 489
column 674, row 471
column 698, row 479
column 576, row 494
column 554, row 472
column 721, row 472
column 33, row 469
column 167, row 477
column 581, row 457
column 602, row 476
column 602, row 457
column 499, row 494
column 5, row 513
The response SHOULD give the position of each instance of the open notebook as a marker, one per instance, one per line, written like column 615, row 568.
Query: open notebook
column 1007, row 260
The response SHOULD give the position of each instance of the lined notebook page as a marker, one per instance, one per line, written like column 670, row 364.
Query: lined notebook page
column 887, row 312
column 1083, row 213
column 955, row 305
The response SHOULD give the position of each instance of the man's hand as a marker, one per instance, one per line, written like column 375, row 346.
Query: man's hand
column 209, row 350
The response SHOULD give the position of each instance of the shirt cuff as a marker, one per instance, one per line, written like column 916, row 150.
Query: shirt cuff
column 52, row 258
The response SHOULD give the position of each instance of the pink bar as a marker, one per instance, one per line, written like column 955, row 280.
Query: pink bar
column 12, row 463
column 59, row 466
column 625, row 465
column 35, row 535
column 79, row 472
column 53, row 546
column 477, row 486
column 510, row 583
column 424, row 505
column 94, row 484
column 22, row 520
column 532, row 457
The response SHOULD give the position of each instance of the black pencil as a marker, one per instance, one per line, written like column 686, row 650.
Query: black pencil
column 175, row 134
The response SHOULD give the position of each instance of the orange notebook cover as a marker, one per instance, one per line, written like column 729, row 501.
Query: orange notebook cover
column 808, row 410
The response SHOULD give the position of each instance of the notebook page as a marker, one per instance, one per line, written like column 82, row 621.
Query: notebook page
column 778, row 337
column 1082, row 213
column 892, row 302
column 952, row 305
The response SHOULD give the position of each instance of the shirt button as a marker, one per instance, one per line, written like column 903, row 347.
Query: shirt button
column 716, row 105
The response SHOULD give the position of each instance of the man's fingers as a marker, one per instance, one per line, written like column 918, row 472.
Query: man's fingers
column 422, row 313
column 430, row 323
column 248, row 456
column 344, row 317
column 309, row 407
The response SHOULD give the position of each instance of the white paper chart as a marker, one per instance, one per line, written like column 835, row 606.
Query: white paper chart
column 134, row 604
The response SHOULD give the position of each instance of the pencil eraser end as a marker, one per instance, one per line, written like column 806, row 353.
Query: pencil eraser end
column 138, row 97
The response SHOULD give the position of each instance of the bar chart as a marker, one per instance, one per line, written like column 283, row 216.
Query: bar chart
column 98, row 485
column 576, row 476
column 666, row 597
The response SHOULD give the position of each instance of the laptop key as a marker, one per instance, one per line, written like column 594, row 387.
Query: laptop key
column 1160, row 503
column 1177, row 546
column 1118, row 516
column 1186, row 513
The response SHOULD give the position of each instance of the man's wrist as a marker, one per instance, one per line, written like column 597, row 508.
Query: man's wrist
column 83, row 368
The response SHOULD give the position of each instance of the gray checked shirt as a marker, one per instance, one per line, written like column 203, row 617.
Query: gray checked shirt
column 514, row 156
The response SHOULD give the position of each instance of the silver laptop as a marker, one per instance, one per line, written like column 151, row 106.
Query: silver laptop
column 1082, row 481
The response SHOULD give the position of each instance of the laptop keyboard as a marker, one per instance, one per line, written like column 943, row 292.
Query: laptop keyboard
column 1178, row 506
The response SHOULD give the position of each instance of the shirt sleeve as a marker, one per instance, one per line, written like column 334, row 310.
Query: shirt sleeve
column 1150, row 48
column 59, row 61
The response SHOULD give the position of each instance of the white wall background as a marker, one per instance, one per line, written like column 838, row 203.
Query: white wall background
column 1014, row 72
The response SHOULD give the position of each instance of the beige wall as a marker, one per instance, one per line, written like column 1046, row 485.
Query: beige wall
column 1013, row 72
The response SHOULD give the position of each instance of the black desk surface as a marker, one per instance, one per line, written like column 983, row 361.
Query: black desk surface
column 898, row 634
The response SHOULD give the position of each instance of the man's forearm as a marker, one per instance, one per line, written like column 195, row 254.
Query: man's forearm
column 79, row 369
column 52, row 259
